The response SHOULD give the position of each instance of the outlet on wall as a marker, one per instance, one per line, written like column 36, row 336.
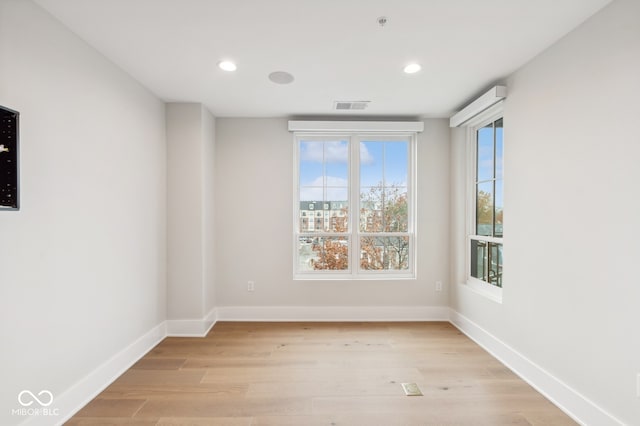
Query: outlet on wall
column 251, row 285
column 438, row 285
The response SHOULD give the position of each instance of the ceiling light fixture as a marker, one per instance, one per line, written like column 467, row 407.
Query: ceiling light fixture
column 227, row 66
column 412, row 68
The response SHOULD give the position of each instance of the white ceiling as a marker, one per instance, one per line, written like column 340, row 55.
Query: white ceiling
column 335, row 49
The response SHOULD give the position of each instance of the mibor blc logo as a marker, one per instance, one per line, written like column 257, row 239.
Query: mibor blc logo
column 26, row 398
column 35, row 404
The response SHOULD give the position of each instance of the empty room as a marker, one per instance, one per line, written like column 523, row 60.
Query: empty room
column 292, row 212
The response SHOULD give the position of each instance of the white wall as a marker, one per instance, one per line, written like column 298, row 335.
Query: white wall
column 254, row 192
column 190, row 211
column 572, row 213
column 82, row 264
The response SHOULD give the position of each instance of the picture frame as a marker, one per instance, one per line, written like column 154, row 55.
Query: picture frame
column 9, row 159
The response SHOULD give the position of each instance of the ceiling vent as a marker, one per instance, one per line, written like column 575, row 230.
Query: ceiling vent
column 350, row 105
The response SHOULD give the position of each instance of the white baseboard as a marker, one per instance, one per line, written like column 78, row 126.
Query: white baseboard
column 575, row 405
column 332, row 313
column 79, row 395
column 191, row 328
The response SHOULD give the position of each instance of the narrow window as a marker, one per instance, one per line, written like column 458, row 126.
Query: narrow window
column 486, row 257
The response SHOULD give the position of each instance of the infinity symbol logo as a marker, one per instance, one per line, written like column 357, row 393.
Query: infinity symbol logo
column 22, row 398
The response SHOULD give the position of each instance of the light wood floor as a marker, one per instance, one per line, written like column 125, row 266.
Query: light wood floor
column 307, row 374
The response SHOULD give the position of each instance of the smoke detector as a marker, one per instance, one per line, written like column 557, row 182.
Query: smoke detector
column 350, row 105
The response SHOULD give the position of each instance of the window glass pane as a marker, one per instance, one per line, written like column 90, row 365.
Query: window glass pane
column 324, row 151
column 311, row 170
column 335, row 194
column 485, row 153
column 324, row 179
column 495, row 264
column 371, row 164
column 384, row 210
column 337, row 172
column 323, row 253
column 499, row 148
column 499, row 208
column 396, row 213
column 323, row 162
column 311, row 193
column 486, row 262
column 479, row 259
column 384, row 253
column 396, row 163
column 311, row 174
column 484, row 209
column 384, row 174
column 371, row 205
column 305, row 254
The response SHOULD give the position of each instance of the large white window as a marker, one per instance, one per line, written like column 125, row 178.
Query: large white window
column 354, row 205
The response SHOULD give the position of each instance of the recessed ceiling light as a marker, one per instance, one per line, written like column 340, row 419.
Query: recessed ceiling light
column 281, row 77
column 412, row 68
column 227, row 65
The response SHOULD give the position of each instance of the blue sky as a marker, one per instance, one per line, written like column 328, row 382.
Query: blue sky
column 486, row 160
column 324, row 167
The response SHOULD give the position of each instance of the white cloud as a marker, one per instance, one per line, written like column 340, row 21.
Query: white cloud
column 365, row 155
column 334, row 152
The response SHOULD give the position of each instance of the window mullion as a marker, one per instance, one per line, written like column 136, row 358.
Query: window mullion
column 354, row 203
column 384, row 186
column 493, row 206
column 324, row 181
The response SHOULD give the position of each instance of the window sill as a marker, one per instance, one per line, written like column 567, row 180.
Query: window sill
column 489, row 291
column 346, row 277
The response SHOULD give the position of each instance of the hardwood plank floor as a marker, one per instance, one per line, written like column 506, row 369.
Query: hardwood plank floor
column 307, row 374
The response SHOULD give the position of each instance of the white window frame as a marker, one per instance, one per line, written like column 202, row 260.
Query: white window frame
column 354, row 136
column 481, row 120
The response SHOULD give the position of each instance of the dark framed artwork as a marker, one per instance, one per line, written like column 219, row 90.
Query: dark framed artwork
column 9, row 172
